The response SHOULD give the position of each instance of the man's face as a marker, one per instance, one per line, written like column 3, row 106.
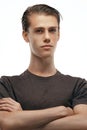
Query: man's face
column 43, row 35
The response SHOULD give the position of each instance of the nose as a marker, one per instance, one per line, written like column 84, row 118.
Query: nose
column 46, row 37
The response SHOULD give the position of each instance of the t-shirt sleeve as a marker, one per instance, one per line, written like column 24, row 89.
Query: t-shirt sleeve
column 80, row 92
column 5, row 88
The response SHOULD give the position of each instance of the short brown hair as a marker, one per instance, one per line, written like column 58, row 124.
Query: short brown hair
column 39, row 9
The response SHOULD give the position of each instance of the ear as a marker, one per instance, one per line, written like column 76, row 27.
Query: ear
column 25, row 36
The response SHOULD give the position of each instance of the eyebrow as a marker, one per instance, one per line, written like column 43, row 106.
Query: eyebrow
column 44, row 27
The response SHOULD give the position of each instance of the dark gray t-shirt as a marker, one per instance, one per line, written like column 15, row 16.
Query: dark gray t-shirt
column 34, row 92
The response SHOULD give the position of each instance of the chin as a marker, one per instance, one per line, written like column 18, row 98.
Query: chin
column 46, row 56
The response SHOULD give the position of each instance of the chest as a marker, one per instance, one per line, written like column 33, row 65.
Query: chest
column 43, row 94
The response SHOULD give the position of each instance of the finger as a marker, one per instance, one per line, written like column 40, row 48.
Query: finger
column 8, row 100
column 10, row 107
column 70, row 111
column 10, row 104
column 5, row 102
column 16, row 107
column 6, row 107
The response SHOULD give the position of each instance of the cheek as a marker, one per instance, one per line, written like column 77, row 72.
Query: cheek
column 55, row 37
column 55, row 40
column 35, row 39
column 33, row 46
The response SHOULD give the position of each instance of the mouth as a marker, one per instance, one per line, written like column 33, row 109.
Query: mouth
column 47, row 46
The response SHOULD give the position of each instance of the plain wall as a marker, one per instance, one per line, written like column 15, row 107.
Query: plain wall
column 71, row 52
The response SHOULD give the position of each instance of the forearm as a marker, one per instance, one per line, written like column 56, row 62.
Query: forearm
column 25, row 120
column 75, row 122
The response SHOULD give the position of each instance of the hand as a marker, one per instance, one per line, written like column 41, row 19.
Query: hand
column 10, row 105
column 70, row 111
column 60, row 111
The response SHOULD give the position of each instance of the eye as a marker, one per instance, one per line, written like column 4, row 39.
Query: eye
column 39, row 31
column 52, row 30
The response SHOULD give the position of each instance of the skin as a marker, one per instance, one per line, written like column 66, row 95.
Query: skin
column 43, row 31
column 10, row 105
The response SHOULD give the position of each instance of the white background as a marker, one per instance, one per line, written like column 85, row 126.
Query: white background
column 71, row 52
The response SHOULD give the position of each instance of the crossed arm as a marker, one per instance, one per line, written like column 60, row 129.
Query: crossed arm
column 12, row 117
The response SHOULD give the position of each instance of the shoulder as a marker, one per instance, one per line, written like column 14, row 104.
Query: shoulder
column 8, row 80
column 76, row 81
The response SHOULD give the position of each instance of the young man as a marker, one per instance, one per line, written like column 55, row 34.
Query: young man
column 42, row 98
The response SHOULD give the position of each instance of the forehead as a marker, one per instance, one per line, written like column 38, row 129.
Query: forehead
column 42, row 20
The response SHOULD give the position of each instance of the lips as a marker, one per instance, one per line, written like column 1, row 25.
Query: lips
column 46, row 46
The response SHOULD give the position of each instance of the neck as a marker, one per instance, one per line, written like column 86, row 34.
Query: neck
column 42, row 66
